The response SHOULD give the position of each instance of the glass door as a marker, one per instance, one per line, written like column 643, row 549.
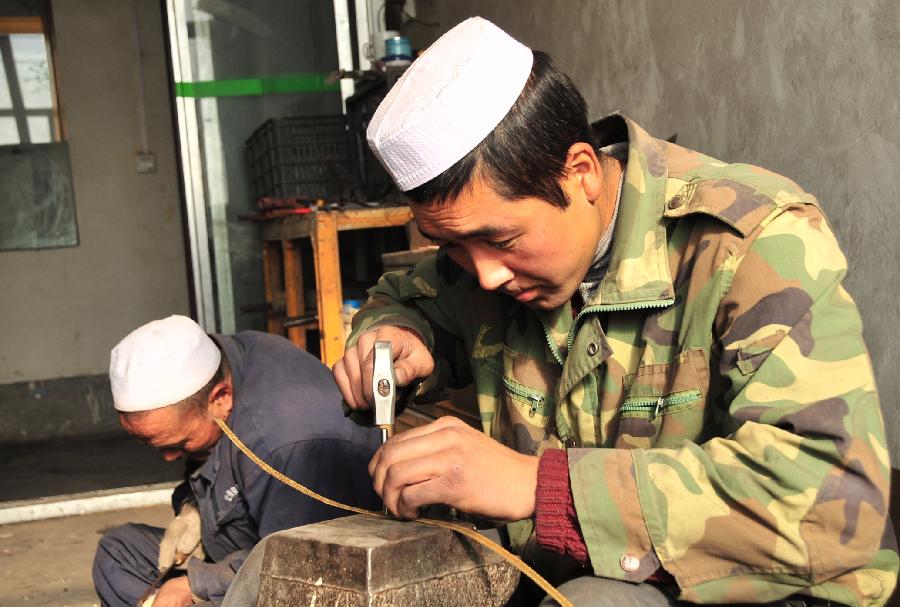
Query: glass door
column 236, row 64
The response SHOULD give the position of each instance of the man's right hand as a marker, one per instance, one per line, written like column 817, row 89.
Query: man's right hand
column 353, row 373
column 181, row 539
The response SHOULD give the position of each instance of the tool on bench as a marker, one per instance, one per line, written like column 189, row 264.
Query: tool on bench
column 384, row 386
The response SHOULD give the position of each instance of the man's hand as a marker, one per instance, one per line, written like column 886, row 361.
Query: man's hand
column 174, row 593
column 353, row 372
column 181, row 539
column 448, row 462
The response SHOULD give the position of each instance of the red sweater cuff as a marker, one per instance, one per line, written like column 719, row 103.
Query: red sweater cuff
column 556, row 523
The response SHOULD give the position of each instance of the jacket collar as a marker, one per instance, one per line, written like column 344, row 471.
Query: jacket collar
column 638, row 273
column 234, row 353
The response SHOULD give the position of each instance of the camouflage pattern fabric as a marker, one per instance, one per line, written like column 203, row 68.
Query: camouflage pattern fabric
column 715, row 396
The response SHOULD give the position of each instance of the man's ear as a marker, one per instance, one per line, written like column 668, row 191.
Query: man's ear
column 221, row 399
column 584, row 171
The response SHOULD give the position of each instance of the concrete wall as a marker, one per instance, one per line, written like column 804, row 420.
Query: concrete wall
column 805, row 88
column 61, row 310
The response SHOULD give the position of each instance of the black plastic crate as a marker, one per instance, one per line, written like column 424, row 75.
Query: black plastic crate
column 371, row 182
column 300, row 157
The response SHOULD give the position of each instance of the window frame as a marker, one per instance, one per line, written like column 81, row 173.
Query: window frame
column 32, row 24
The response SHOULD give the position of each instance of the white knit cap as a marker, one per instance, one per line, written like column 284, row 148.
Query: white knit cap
column 161, row 363
column 448, row 101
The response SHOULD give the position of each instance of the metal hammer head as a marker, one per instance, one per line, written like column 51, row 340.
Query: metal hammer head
column 384, row 384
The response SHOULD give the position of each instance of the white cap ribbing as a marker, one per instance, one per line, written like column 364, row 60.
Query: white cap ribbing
column 448, row 101
column 161, row 363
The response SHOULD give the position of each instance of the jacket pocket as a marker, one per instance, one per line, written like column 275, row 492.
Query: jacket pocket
column 528, row 405
column 537, row 402
column 665, row 403
column 650, row 407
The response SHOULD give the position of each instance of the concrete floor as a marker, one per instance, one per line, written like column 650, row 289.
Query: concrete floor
column 49, row 562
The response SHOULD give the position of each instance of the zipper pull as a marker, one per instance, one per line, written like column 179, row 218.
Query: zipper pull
column 659, row 403
column 535, row 403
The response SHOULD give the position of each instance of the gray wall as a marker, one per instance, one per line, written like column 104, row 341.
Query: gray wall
column 61, row 310
column 808, row 88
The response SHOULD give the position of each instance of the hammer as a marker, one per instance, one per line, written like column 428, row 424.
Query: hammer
column 384, row 386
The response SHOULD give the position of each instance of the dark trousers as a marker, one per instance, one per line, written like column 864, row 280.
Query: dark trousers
column 125, row 564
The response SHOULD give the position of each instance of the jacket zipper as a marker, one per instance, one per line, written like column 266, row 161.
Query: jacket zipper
column 614, row 308
column 654, row 406
column 571, row 337
column 550, row 343
column 535, row 399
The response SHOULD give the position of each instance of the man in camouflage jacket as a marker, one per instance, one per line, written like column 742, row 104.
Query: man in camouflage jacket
column 700, row 414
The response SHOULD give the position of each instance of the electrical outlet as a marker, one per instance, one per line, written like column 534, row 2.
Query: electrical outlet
column 146, row 162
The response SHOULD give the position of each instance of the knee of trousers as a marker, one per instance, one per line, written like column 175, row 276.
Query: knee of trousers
column 113, row 550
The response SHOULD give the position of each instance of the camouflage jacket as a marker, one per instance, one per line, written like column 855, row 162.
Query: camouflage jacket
column 715, row 396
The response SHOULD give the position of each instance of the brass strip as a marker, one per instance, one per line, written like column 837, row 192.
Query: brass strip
column 469, row 533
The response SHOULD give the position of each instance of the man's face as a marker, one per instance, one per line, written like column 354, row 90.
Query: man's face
column 527, row 248
column 175, row 435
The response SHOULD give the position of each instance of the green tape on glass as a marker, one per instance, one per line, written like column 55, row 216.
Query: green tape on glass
column 266, row 85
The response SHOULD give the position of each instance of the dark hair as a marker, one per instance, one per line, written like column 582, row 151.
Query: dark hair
column 196, row 403
column 525, row 155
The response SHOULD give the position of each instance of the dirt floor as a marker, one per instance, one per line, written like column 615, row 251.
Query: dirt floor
column 44, row 563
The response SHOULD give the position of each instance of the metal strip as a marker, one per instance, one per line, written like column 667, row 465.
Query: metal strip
column 363, row 33
column 344, row 47
column 216, row 178
column 192, row 170
column 252, row 87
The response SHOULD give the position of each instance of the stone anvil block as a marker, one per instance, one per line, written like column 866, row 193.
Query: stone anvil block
column 366, row 561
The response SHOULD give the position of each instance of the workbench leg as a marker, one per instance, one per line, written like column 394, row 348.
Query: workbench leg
column 272, row 278
column 294, row 300
column 328, row 288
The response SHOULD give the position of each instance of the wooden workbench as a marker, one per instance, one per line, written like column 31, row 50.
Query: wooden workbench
column 280, row 238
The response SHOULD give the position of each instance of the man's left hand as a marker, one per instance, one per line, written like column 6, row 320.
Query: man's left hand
column 174, row 593
column 448, row 462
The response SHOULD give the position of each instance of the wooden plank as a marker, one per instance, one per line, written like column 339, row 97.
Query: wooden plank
column 294, row 300
column 21, row 25
column 361, row 219
column 272, row 278
column 301, row 226
column 328, row 288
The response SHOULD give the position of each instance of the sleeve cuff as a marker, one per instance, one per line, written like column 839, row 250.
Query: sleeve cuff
column 210, row 581
column 556, row 522
column 608, row 507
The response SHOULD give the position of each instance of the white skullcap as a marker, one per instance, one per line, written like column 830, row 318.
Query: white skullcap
column 448, row 101
column 161, row 363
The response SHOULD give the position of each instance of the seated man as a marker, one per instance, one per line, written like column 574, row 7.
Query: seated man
column 676, row 398
column 170, row 380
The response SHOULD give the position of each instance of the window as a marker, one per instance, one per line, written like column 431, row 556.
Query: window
column 37, row 203
column 27, row 94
